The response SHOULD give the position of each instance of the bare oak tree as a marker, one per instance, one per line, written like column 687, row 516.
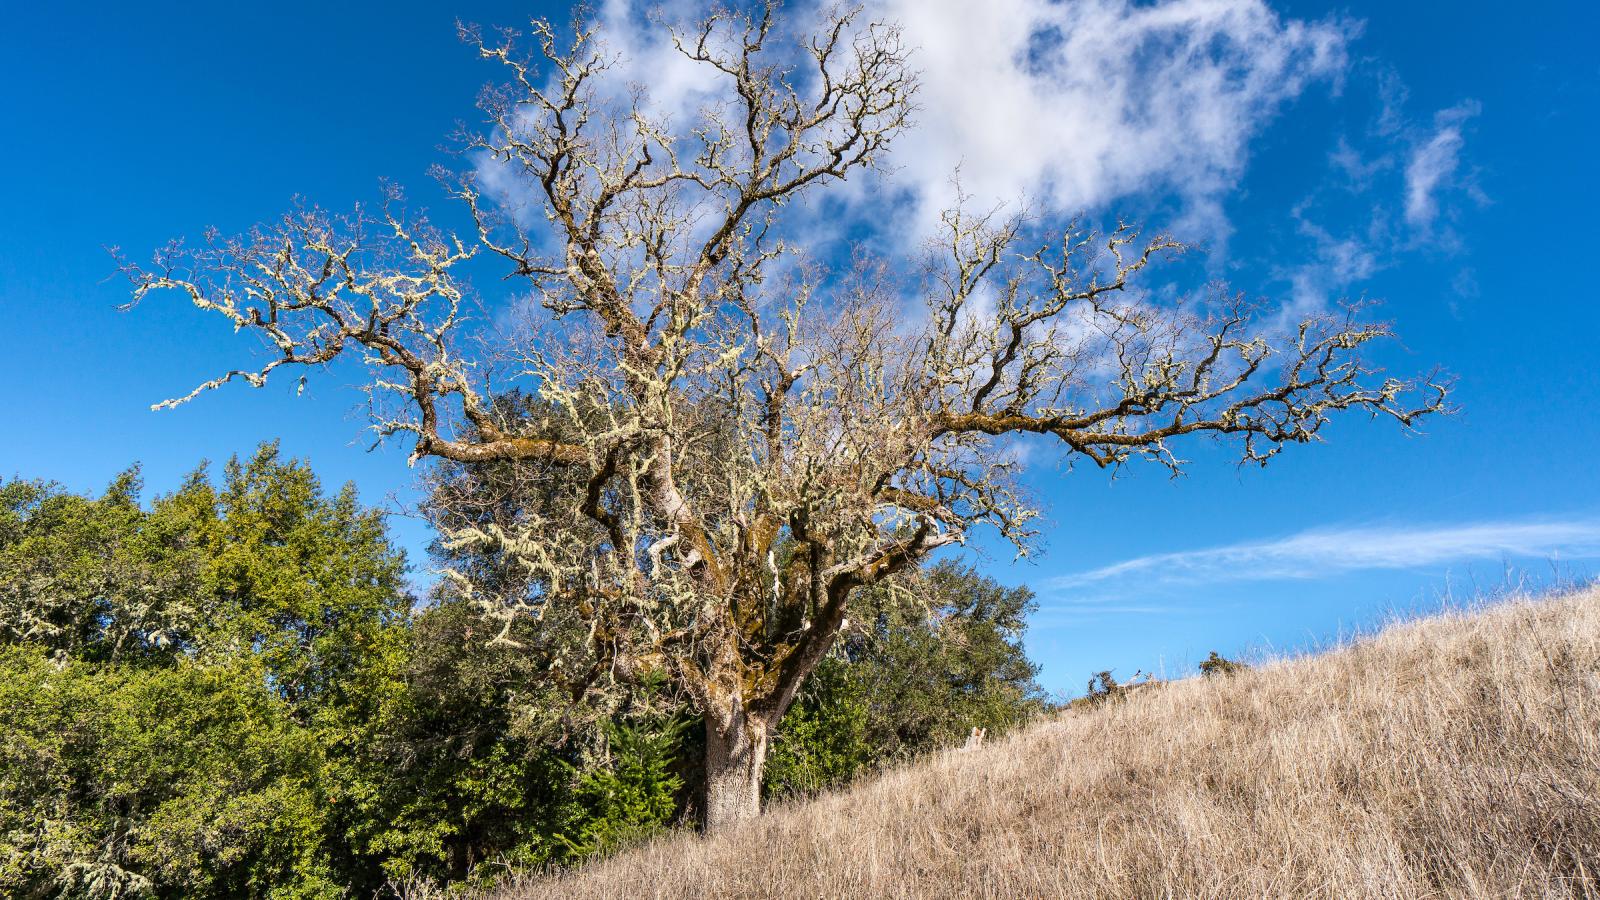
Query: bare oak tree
column 748, row 439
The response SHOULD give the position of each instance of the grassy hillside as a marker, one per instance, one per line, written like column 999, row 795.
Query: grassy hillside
column 1457, row 756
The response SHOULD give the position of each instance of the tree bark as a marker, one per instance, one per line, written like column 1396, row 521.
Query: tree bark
column 736, row 756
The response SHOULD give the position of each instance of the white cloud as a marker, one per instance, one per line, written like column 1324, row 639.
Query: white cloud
column 1077, row 105
column 1070, row 105
column 1433, row 163
column 1315, row 554
column 642, row 54
column 1356, row 169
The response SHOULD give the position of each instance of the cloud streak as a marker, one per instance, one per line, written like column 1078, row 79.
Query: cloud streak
column 1433, row 164
column 1320, row 553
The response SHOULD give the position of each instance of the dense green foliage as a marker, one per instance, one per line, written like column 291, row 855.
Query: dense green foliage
column 185, row 684
column 921, row 665
column 637, row 794
column 193, row 780
column 229, row 692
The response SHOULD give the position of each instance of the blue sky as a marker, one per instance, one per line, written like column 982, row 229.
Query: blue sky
column 1439, row 161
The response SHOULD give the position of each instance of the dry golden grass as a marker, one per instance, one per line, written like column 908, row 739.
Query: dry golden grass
column 1457, row 756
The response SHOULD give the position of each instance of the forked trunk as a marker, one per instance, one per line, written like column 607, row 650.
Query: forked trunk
column 736, row 755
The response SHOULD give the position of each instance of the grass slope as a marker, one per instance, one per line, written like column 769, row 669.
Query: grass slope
column 1458, row 756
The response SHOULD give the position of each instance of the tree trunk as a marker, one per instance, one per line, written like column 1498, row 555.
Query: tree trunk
column 736, row 755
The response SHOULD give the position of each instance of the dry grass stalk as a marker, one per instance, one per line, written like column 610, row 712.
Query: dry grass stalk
column 1458, row 756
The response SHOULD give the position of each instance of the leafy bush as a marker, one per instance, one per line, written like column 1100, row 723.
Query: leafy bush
column 1215, row 666
column 824, row 738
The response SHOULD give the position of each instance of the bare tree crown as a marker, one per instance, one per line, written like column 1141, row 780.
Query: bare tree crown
column 751, row 438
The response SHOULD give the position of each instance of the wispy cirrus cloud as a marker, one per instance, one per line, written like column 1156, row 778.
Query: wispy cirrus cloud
column 1392, row 193
column 1324, row 552
column 1434, row 162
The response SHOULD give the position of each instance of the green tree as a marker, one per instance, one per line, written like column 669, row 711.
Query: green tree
column 92, row 577
column 308, row 583
column 636, row 794
column 183, row 780
column 474, row 762
column 264, row 563
column 189, row 688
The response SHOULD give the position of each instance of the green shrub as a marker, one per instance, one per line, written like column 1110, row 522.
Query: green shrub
column 634, row 794
column 1215, row 666
column 823, row 739
column 927, row 661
